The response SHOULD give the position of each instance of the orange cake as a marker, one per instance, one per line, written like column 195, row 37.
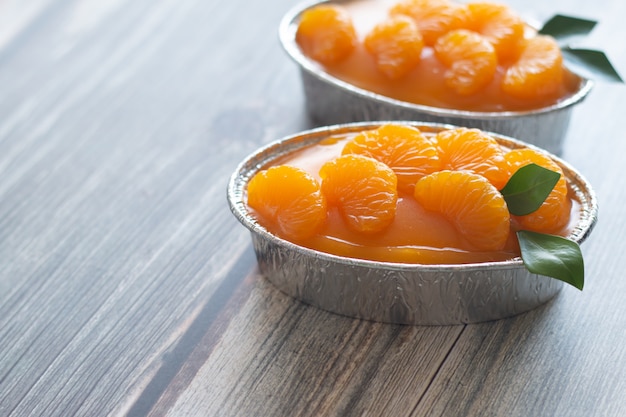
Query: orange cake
column 397, row 194
column 478, row 56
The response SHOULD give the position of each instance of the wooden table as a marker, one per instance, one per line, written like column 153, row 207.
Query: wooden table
column 128, row 288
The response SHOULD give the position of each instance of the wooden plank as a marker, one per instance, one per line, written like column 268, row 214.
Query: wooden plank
column 114, row 227
column 281, row 357
column 17, row 17
column 557, row 360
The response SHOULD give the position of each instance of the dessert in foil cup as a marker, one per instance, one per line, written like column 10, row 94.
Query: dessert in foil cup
column 395, row 292
column 330, row 100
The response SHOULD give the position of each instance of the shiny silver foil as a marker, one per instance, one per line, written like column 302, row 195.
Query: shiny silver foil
column 391, row 292
column 331, row 101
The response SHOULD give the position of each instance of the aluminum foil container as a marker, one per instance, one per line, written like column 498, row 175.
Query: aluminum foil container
column 393, row 292
column 331, row 101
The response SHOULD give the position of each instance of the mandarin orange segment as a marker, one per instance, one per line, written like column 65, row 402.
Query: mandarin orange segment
column 326, row 33
column 554, row 213
column 396, row 44
column 471, row 203
column 403, row 148
column 470, row 58
column 434, row 18
column 538, row 73
column 290, row 198
column 500, row 25
column 473, row 150
column 363, row 189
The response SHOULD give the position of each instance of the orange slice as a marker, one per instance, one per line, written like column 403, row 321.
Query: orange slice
column 554, row 213
column 363, row 189
column 470, row 58
column 434, row 18
column 473, row 150
column 290, row 199
column 396, row 45
column 500, row 25
column 471, row 203
column 538, row 73
column 326, row 34
column 403, row 148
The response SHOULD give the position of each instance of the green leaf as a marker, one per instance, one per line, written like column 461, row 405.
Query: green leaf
column 563, row 27
column 552, row 256
column 528, row 188
column 592, row 63
column 588, row 62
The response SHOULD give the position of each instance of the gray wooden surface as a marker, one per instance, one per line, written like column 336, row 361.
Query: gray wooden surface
column 128, row 288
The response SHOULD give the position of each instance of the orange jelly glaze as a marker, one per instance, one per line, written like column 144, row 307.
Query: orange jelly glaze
column 425, row 84
column 415, row 236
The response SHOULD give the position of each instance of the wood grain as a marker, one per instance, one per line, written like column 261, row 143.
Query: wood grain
column 281, row 357
column 128, row 288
